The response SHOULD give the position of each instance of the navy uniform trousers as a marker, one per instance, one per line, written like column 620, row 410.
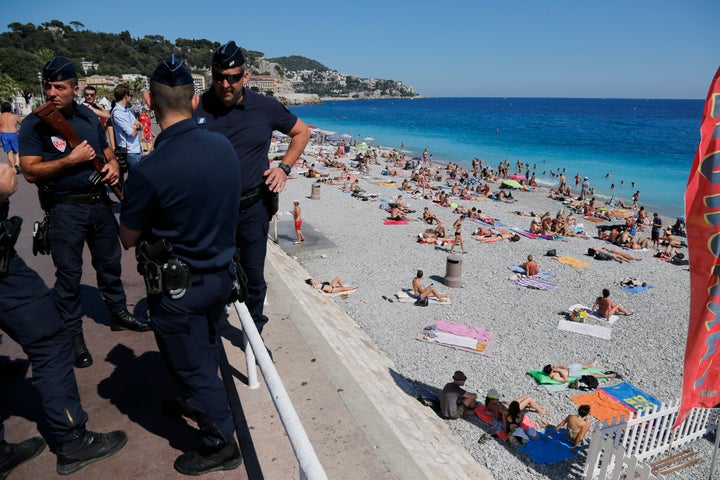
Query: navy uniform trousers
column 252, row 243
column 186, row 334
column 28, row 315
column 70, row 227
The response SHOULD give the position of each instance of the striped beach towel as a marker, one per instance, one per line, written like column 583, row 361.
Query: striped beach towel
column 535, row 283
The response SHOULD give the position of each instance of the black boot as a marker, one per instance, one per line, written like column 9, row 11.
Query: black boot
column 14, row 454
column 81, row 353
column 124, row 320
column 204, row 460
column 88, row 448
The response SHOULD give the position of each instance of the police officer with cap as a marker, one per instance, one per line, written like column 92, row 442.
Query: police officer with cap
column 183, row 215
column 79, row 210
column 248, row 119
column 29, row 316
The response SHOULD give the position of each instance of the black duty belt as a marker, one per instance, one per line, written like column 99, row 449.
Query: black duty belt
column 81, row 198
column 251, row 197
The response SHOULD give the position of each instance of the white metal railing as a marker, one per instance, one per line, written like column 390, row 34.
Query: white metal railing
column 644, row 434
column 310, row 467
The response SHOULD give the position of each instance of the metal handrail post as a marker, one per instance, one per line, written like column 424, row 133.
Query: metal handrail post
column 310, row 467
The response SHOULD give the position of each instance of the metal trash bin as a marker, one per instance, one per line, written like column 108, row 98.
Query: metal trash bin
column 315, row 192
column 453, row 271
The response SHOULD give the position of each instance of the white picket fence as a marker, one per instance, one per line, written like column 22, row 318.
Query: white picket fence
column 620, row 445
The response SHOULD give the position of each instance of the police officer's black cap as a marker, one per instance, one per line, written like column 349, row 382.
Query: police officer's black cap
column 172, row 72
column 228, row 56
column 58, row 69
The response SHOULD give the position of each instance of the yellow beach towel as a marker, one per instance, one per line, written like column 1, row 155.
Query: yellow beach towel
column 572, row 261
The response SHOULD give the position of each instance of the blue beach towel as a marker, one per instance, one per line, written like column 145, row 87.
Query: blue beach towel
column 631, row 396
column 547, row 450
column 635, row 289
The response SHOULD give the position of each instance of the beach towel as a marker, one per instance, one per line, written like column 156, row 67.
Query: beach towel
column 602, row 406
column 517, row 268
column 593, row 315
column 535, row 284
column 547, row 236
column 524, row 233
column 551, row 449
column 572, row 261
column 631, row 396
column 636, row 288
column 395, row 222
column 469, row 341
column 585, row 329
column 406, row 296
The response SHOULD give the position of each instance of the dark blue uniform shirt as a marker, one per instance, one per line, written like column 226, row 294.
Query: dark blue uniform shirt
column 249, row 126
column 186, row 191
column 37, row 139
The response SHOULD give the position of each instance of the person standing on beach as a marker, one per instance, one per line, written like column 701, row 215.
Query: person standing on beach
column 9, row 134
column 248, row 119
column 458, row 235
column 656, row 229
column 298, row 222
column 585, row 189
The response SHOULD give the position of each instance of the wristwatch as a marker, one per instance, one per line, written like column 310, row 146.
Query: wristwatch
column 285, row 168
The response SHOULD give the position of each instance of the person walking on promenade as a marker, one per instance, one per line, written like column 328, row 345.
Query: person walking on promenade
column 248, row 119
column 187, row 220
column 79, row 211
column 28, row 315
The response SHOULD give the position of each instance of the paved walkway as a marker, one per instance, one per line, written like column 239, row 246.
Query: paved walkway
column 358, row 410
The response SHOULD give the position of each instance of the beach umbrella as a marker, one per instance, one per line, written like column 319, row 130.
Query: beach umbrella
column 334, row 139
column 346, row 136
column 368, row 139
column 512, row 183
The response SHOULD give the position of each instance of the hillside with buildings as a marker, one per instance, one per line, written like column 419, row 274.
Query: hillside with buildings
column 108, row 59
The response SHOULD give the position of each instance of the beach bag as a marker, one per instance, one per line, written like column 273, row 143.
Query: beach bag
column 515, row 238
column 551, row 253
column 578, row 315
column 422, row 302
column 589, row 382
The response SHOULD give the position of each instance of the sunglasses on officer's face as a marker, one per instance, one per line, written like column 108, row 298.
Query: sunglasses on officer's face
column 231, row 78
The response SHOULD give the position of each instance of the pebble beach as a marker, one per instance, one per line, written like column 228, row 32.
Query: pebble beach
column 346, row 237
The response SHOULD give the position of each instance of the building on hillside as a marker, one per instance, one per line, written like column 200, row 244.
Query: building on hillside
column 265, row 83
column 99, row 81
column 199, row 82
column 87, row 66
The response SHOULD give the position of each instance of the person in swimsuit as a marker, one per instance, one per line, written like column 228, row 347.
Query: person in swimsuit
column 531, row 267
column 563, row 373
column 420, row 292
column 458, row 234
column 513, row 421
column 576, row 426
column 499, row 409
column 333, row 286
column 607, row 307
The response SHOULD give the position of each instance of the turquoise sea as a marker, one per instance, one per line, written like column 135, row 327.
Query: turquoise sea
column 612, row 141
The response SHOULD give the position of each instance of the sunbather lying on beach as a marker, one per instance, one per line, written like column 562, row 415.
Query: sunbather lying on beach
column 607, row 254
column 562, row 373
column 499, row 409
column 422, row 292
column 606, row 307
column 576, row 426
column 333, row 286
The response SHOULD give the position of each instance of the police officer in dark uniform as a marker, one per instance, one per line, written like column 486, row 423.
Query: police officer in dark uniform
column 79, row 211
column 248, row 119
column 182, row 217
column 29, row 316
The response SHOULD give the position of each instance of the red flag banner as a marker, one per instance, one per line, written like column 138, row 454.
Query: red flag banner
column 701, row 378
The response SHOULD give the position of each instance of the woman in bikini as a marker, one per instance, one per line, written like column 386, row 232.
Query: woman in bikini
column 458, row 234
column 513, row 421
column 333, row 286
column 576, row 426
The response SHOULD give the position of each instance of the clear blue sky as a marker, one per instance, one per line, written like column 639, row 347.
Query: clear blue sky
column 484, row 48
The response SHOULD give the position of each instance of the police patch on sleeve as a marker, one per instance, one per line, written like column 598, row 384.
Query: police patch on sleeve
column 201, row 121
